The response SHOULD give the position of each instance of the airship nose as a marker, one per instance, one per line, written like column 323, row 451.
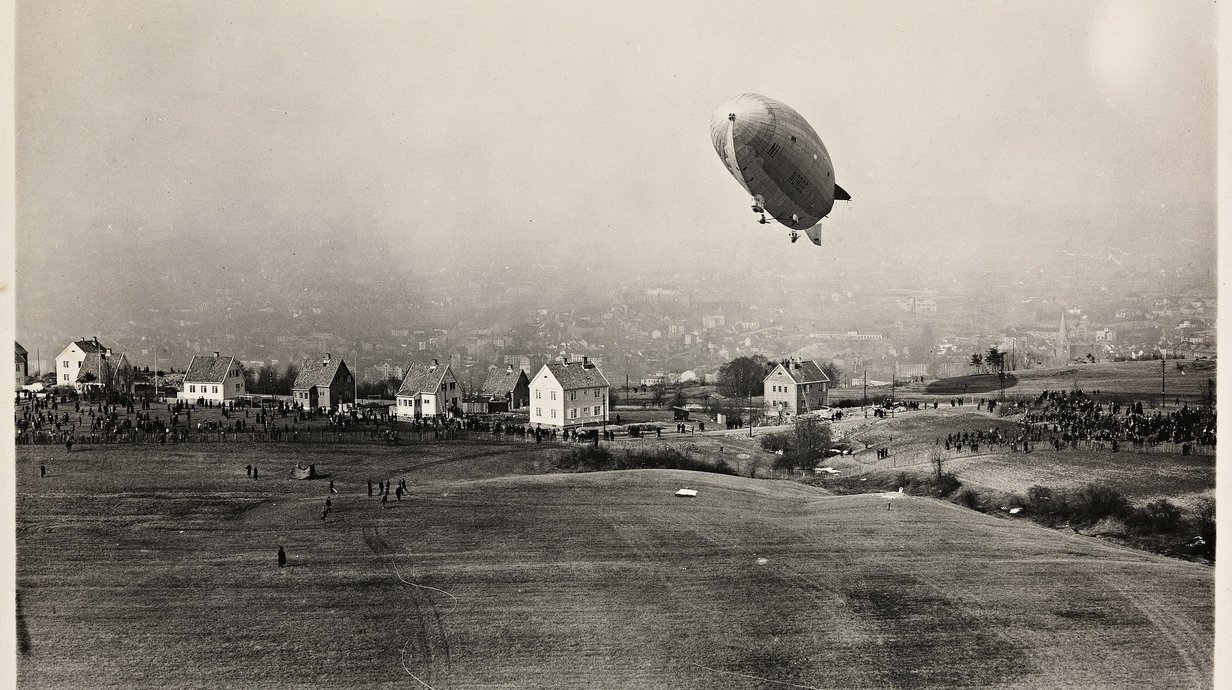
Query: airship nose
column 746, row 108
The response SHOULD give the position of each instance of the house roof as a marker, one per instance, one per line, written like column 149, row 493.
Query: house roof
column 19, row 349
column 94, row 369
column 317, row 372
column 89, row 346
column 501, row 381
column 574, row 375
column 208, row 368
column 806, row 371
column 422, row 378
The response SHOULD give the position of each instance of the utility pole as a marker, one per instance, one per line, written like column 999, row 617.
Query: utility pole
column 1163, row 379
column 865, row 388
column 893, row 388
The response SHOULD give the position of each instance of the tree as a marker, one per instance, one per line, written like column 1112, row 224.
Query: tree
column 742, row 377
column 658, row 396
column 977, row 361
column 995, row 358
column 678, row 398
column 832, row 372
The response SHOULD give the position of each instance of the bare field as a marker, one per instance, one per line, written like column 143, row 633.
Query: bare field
column 1126, row 381
column 148, row 566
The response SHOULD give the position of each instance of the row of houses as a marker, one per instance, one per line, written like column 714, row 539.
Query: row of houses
column 564, row 393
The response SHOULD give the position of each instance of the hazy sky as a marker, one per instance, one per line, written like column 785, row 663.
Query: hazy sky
column 452, row 127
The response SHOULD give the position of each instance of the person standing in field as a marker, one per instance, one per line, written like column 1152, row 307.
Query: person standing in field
column 282, row 558
column 255, row 472
column 369, row 487
column 42, row 470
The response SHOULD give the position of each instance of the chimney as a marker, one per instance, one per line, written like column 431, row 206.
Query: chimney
column 217, row 354
column 509, row 370
column 585, row 362
column 108, row 352
column 326, row 360
column 435, row 363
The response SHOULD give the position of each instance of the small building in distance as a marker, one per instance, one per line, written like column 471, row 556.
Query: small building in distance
column 325, row 383
column 568, row 394
column 215, row 378
column 795, row 388
column 429, row 391
column 509, row 386
column 22, row 358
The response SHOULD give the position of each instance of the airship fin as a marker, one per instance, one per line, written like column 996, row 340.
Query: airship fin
column 814, row 234
column 841, row 194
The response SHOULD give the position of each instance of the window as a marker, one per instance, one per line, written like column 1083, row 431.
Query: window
column 66, row 377
column 553, row 395
column 66, row 363
column 538, row 394
column 192, row 389
column 596, row 392
column 553, row 414
column 453, row 385
column 596, row 412
column 573, row 413
column 215, row 389
column 573, row 395
column 538, row 412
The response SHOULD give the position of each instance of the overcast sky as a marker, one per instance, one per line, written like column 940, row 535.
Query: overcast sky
column 453, row 127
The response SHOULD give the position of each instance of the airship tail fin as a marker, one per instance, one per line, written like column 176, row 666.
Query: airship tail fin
column 814, row 234
column 841, row 194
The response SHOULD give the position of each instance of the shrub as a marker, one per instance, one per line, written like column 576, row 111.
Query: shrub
column 1160, row 516
column 945, row 485
column 969, row 499
column 776, row 442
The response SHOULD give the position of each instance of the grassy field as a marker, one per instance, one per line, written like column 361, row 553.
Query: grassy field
column 155, row 566
column 1115, row 380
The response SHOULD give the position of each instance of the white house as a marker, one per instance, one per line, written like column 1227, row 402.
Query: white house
column 795, row 388
column 215, row 378
column 568, row 394
column 68, row 363
column 428, row 391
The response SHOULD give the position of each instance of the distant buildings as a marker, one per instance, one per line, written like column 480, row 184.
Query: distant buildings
column 569, row 394
column 216, row 378
column 324, row 383
column 429, row 391
column 101, row 372
column 22, row 359
column 795, row 388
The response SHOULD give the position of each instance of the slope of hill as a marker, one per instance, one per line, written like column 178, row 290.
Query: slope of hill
column 165, row 574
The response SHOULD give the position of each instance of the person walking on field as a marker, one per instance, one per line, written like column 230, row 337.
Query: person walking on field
column 42, row 470
column 255, row 472
column 384, row 499
column 282, row 558
column 248, row 469
column 369, row 487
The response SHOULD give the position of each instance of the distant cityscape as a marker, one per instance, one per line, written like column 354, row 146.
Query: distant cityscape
column 898, row 313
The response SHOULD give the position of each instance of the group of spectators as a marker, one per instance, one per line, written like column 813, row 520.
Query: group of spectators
column 1072, row 419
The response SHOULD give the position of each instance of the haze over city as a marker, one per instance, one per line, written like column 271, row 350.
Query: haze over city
column 167, row 150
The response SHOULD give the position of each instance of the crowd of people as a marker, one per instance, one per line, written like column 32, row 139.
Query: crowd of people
column 1072, row 419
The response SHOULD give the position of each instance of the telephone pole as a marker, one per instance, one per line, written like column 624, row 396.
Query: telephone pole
column 1163, row 379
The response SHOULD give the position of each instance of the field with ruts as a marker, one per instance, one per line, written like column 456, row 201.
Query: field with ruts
column 154, row 567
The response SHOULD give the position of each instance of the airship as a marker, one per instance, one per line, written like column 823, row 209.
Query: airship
column 778, row 158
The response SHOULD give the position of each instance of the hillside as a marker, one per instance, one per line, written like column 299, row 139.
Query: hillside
column 485, row 579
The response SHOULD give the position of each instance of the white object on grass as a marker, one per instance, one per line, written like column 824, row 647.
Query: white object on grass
column 687, row 492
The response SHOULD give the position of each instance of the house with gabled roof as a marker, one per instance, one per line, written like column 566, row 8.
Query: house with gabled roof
column 324, row 383
column 68, row 362
column 23, row 363
column 569, row 394
column 510, row 386
column 795, row 387
column 103, row 372
column 214, row 377
column 428, row 391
